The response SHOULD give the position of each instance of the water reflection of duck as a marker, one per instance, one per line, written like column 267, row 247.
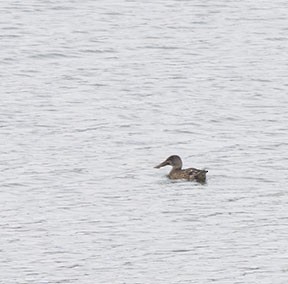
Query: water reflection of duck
column 190, row 174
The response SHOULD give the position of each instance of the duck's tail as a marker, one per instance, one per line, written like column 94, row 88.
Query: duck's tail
column 201, row 176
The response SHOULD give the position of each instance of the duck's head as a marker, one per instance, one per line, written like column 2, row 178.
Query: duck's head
column 174, row 161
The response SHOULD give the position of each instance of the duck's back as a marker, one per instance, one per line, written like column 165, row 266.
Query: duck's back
column 189, row 174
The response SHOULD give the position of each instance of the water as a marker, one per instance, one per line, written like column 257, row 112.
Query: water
column 94, row 94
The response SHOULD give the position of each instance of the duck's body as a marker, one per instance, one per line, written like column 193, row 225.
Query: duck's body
column 177, row 172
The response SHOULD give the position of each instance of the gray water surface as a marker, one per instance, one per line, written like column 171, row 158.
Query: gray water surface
column 96, row 93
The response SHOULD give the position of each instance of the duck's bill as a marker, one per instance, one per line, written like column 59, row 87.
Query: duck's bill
column 163, row 164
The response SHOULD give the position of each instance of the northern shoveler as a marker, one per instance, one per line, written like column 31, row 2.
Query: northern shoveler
column 190, row 174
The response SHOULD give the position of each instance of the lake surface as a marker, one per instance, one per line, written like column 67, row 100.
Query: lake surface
column 94, row 94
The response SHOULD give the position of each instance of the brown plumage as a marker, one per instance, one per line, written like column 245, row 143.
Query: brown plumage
column 190, row 174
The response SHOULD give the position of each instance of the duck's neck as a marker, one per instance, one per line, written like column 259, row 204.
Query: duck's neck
column 174, row 172
column 176, row 168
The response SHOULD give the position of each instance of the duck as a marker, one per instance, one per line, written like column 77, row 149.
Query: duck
column 190, row 174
